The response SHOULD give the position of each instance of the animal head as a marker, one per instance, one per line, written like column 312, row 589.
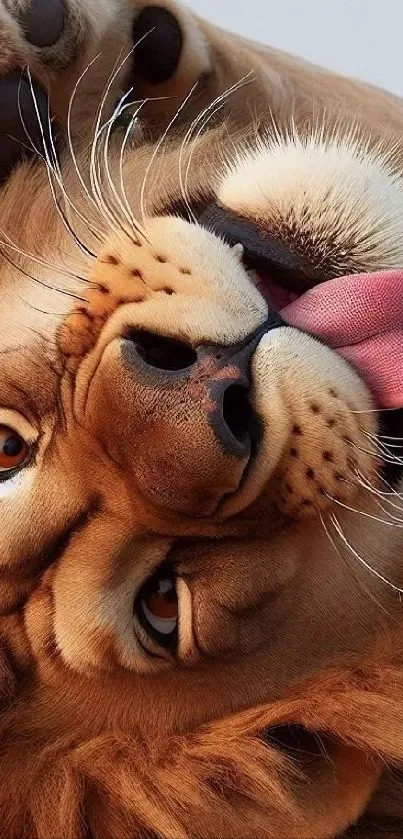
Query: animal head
column 200, row 552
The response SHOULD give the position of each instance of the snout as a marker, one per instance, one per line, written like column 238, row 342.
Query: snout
column 177, row 419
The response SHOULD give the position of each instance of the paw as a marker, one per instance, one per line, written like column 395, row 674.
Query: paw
column 171, row 60
column 52, row 38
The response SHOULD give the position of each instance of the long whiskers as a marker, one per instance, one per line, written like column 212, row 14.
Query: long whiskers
column 109, row 212
column 337, row 527
column 52, row 169
column 383, row 448
column 361, row 512
column 189, row 139
column 36, row 280
column 351, row 568
column 379, row 453
column 70, row 138
column 375, row 491
column 162, row 139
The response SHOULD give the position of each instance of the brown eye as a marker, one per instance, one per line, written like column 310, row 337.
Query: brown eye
column 14, row 451
column 157, row 608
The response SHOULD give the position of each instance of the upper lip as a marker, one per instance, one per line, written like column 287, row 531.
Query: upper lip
column 263, row 252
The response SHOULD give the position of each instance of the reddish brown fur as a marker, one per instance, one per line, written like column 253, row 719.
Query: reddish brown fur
column 110, row 754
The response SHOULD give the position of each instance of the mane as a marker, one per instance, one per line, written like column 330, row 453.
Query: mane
column 226, row 779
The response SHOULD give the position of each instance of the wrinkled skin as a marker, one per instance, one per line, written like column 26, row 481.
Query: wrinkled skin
column 167, row 415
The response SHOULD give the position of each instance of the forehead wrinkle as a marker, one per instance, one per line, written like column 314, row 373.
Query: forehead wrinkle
column 28, row 381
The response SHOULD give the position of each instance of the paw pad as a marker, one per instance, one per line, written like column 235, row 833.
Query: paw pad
column 43, row 22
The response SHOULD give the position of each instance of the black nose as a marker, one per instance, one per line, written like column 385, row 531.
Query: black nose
column 216, row 378
column 233, row 419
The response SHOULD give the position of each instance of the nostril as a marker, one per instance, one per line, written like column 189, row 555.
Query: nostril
column 160, row 352
column 237, row 412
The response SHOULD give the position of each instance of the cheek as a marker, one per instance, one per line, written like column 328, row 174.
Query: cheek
column 315, row 412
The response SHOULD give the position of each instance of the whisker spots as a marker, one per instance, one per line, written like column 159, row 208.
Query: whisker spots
column 110, row 259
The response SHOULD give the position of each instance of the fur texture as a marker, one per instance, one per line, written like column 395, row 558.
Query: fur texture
column 277, row 713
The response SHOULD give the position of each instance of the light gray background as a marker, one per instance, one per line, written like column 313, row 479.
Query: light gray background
column 362, row 38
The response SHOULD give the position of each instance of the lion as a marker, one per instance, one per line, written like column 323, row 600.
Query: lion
column 201, row 492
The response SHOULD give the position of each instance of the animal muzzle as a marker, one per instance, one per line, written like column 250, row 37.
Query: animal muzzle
column 177, row 419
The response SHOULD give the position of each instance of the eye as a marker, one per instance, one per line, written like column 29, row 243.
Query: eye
column 14, row 451
column 157, row 608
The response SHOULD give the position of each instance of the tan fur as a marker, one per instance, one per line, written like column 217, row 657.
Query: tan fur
column 279, row 624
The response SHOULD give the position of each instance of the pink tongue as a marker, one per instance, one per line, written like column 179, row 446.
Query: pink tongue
column 361, row 316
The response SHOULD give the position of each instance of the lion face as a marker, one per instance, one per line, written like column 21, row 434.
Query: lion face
column 185, row 477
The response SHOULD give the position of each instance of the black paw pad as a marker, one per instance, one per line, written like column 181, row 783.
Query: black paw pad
column 43, row 22
column 20, row 129
column 157, row 56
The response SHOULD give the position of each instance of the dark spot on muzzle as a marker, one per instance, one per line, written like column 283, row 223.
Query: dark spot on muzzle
column 157, row 40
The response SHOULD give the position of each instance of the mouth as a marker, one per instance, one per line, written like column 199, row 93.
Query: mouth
column 274, row 268
column 275, row 291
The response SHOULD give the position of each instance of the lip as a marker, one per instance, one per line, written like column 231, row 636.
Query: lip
column 277, row 296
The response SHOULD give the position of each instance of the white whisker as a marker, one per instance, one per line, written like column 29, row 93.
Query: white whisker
column 209, row 112
column 360, row 582
column 114, row 220
column 383, row 448
column 118, row 201
column 50, row 171
column 361, row 512
column 158, row 146
column 361, row 560
column 70, row 139
column 378, row 454
column 126, row 138
column 365, row 483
